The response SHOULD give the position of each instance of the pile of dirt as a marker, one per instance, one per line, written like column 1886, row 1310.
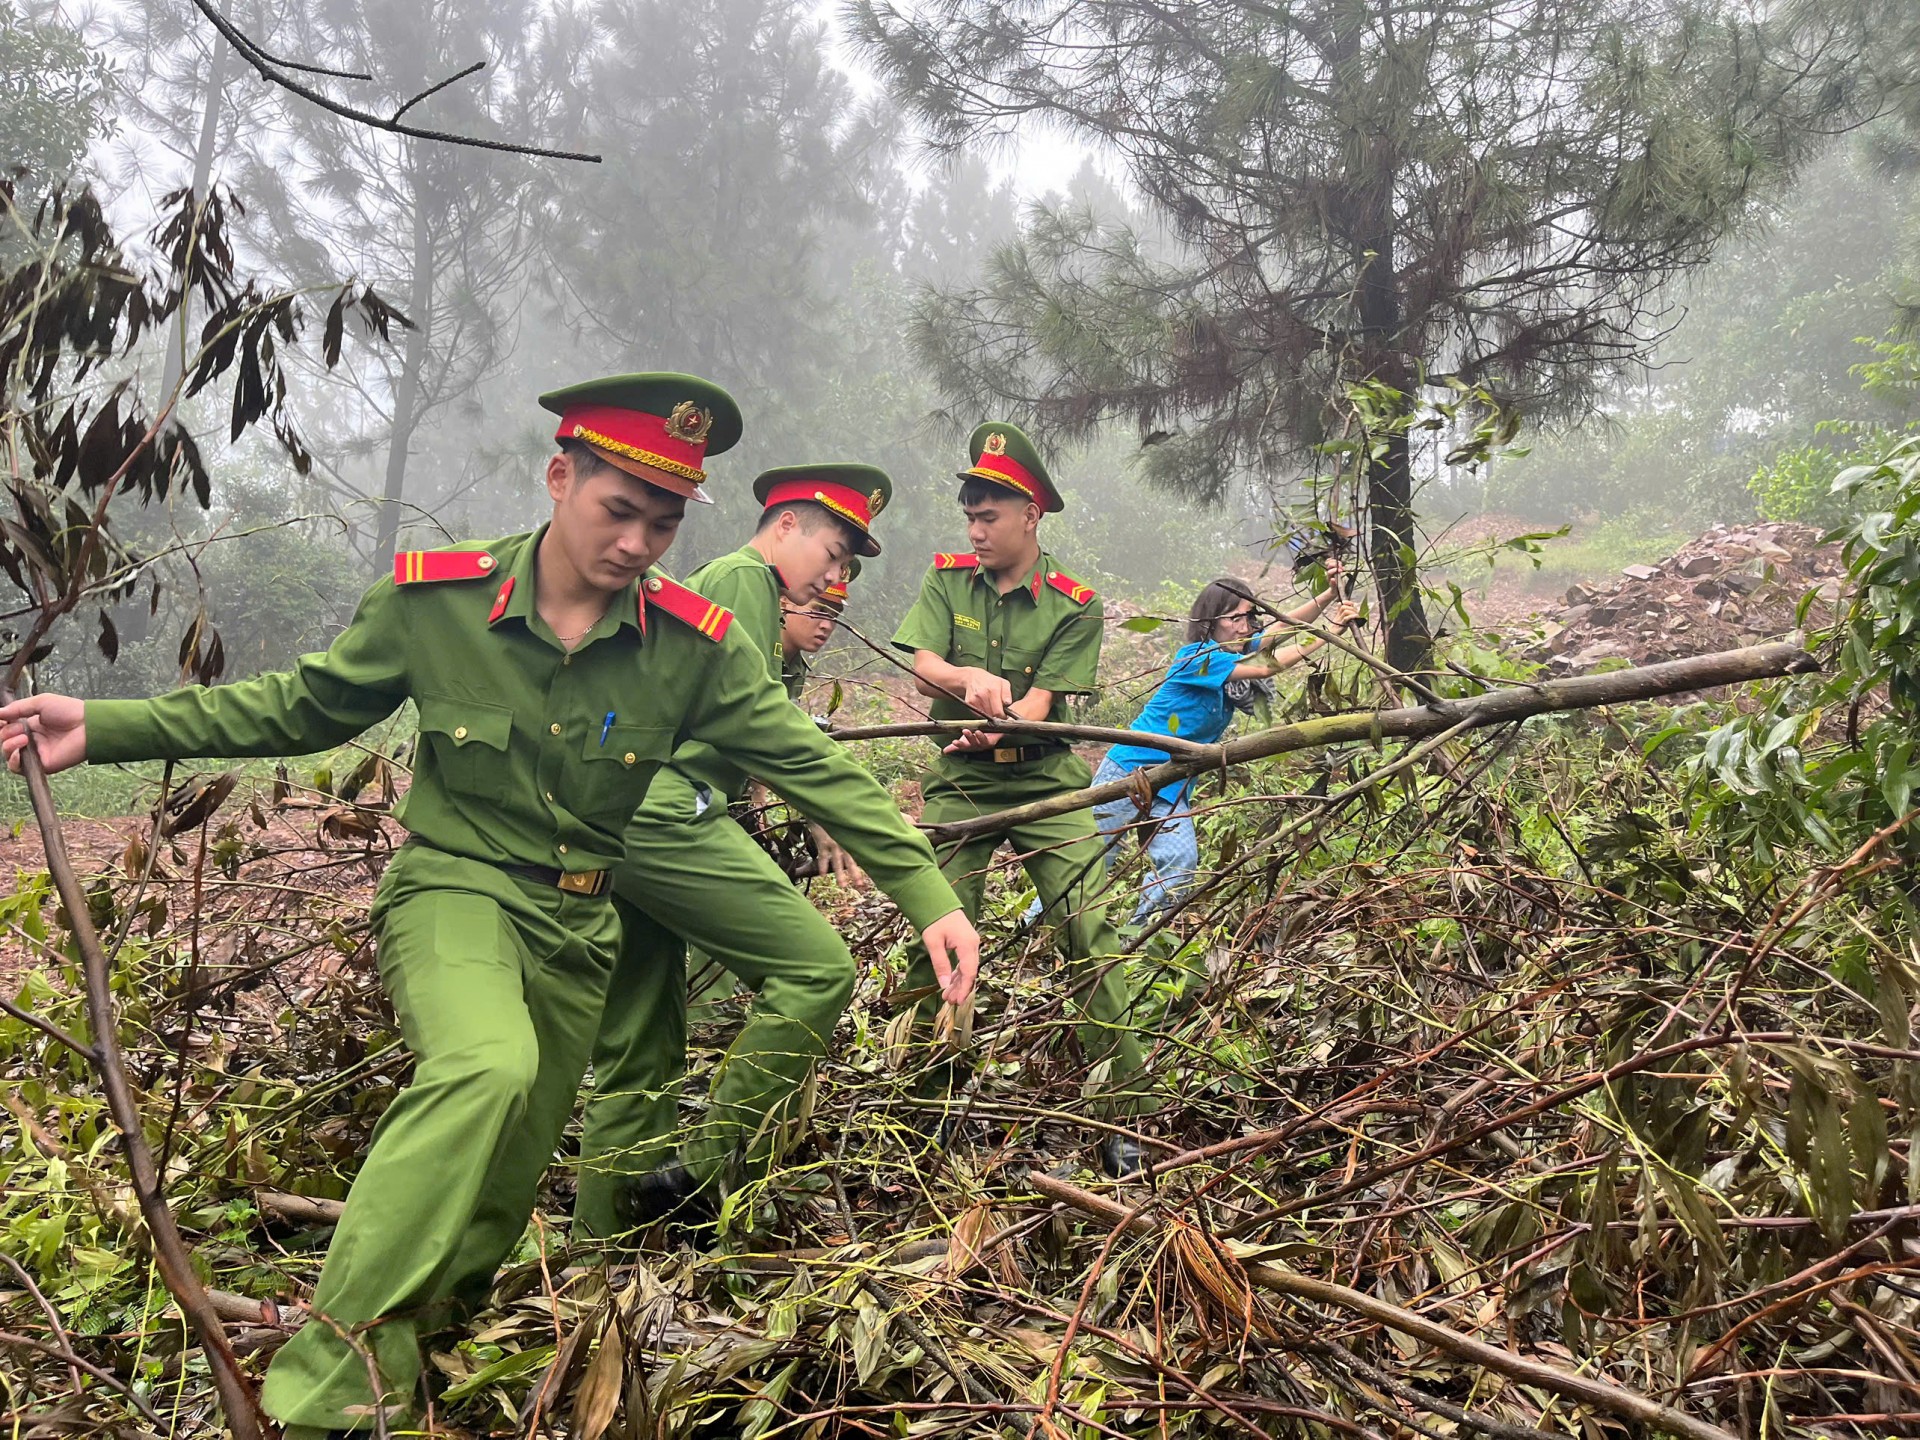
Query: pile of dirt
column 1730, row 587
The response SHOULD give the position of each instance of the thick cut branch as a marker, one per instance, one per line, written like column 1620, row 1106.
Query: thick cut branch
column 1587, row 1389
column 1579, row 692
column 1045, row 729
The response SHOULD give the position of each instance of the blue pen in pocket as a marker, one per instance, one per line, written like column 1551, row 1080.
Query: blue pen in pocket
column 606, row 728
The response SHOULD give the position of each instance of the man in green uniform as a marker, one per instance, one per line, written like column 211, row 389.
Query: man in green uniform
column 553, row 677
column 693, row 876
column 804, row 632
column 805, row 629
column 1004, row 631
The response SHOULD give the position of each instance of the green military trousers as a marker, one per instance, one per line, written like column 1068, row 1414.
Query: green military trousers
column 1064, row 857
column 498, row 983
column 693, row 876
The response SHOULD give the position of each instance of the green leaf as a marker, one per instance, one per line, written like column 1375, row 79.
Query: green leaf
column 508, row 1367
column 1143, row 624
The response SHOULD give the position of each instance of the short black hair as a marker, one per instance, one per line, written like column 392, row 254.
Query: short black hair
column 975, row 491
column 585, row 458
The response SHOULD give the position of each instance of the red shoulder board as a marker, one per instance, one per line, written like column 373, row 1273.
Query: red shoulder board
column 968, row 561
column 1073, row 589
column 411, row 567
column 688, row 606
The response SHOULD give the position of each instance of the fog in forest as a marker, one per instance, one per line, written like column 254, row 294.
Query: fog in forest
column 870, row 276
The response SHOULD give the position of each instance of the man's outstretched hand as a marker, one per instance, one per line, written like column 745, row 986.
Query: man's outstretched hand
column 954, row 947
column 58, row 724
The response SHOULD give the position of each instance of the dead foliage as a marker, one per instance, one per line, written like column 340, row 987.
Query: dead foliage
column 1500, row 1046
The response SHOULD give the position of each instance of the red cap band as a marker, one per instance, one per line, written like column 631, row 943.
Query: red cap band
column 675, row 443
column 1005, row 470
column 846, row 502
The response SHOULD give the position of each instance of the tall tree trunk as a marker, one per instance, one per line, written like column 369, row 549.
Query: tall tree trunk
column 1366, row 205
column 174, row 366
column 406, row 394
column 1391, row 545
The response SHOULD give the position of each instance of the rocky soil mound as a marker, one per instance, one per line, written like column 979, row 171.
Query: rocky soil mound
column 1731, row 587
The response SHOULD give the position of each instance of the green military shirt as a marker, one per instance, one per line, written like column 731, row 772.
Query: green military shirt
column 793, row 675
column 1045, row 631
column 529, row 754
column 747, row 585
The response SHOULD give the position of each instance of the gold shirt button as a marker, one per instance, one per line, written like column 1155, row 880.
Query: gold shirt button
column 459, row 732
column 566, row 659
column 485, row 562
column 1029, row 669
column 549, row 797
column 563, row 849
column 554, row 728
column 654, row 585
column 996, row 644
column 629, row 757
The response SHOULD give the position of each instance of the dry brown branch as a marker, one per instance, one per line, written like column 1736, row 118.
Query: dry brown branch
column 1587, row 1389
column 169, row 1249
column 300, row 1209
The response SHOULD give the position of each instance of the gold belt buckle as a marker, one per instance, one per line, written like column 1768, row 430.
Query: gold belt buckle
column 1006, row 755
column 583, row 882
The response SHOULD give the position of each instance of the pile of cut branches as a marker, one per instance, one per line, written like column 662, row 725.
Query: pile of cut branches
column 1493, row 1098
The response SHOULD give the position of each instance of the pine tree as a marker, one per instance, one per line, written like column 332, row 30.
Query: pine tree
column 1399, row 194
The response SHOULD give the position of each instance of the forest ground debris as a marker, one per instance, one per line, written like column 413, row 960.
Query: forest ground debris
column 1502, row 1043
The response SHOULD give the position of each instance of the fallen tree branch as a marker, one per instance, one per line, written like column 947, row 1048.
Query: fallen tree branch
column 1578, row 692
column 300, row 1209
column 1051, row 729
column 1605, row 1395
column 169, row 1248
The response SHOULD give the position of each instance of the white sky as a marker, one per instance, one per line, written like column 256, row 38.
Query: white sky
column 1037, row 159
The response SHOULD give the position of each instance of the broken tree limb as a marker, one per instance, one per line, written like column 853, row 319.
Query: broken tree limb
column 169, row 1248
column 1591, row 1390
column 1499, row 707
column 1050, row 729
column 299, row 1209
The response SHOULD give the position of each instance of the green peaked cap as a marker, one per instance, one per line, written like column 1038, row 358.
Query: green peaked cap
column 1002, row 455
column 853, row 494
column 657, row 425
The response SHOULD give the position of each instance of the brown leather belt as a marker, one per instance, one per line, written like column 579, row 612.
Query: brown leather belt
column 574, row 882
column 1010, row 754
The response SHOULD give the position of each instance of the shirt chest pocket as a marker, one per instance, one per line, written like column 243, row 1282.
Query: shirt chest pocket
column 615, row 770
column 1020, row 665
column 969, row 643
column 468, row 741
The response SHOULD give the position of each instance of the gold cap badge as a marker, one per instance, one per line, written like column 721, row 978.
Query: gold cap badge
column 876, row 502
column 689, row 423
column 996, row 444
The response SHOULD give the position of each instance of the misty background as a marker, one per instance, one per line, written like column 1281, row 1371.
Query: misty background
column 765, row 215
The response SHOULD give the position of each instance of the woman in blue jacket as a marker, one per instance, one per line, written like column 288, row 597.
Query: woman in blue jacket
column 1194, row 703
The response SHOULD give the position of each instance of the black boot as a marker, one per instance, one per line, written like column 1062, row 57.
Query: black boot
column 669, row 1193
column 1123, row 1158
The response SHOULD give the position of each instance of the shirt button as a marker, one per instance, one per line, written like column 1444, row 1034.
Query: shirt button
column 549, row 797
column 1029, row 669
column 996, row 644
column 459, row 732
column 563, row 849
column 629, row 757
column 566, row 659
column 554, row 729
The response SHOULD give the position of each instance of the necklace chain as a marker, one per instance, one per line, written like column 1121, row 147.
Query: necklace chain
column 570, row 639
